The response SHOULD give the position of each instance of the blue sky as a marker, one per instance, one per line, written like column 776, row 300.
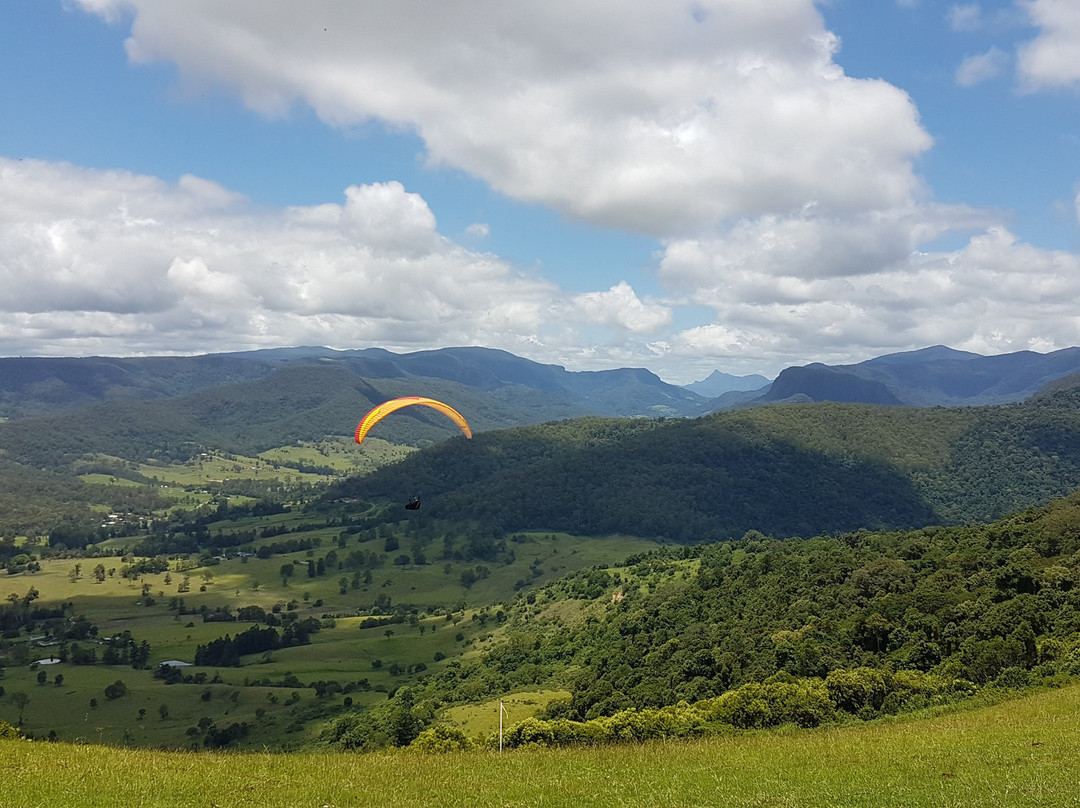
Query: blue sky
column 721, row 184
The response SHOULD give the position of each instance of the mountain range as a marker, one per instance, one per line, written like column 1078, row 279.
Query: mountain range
column 932, row 377
column 520, row 391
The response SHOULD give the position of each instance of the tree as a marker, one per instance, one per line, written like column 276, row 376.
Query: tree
column 99, row 573
column 115, row 690
column 20, row 700
column 286, row 573
column 403, row 725
column 58, row 680
column 163, row 711
column 42, row 677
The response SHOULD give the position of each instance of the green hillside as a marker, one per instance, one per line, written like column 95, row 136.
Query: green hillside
column 782, row 470
column 760, row 632
column 1018, row 753
column 362, row 632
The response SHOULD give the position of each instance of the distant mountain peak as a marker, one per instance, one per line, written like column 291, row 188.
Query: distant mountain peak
column 717, row 383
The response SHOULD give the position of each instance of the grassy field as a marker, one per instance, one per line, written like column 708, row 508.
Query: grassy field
column 1024, row 752
column 186, row 484
column 443, row 626
column 479, row 719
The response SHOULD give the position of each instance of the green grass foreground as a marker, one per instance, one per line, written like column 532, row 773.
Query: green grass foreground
column 1024, row 752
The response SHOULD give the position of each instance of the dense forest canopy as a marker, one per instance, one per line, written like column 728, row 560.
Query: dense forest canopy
column 784, row 470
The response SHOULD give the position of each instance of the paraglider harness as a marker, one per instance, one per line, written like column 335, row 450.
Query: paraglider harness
column 413, row 504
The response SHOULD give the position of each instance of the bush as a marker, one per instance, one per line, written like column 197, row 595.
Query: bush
column 530, row 732
column 758, row 705
column 651, row 724
column 115, row 690
column 858, row 689
column 441, row 738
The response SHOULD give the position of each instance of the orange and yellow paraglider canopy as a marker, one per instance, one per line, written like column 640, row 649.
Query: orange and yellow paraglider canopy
column 387, row 407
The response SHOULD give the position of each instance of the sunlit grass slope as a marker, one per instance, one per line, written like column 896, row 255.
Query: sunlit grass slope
column 1020, row 753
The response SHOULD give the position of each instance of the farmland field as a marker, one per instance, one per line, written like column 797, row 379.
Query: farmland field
column 449, row 620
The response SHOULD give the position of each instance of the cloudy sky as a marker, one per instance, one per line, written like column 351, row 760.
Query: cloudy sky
column 682, row 186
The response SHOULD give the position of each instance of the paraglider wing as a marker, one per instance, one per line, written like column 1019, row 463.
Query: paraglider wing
column 387, row 407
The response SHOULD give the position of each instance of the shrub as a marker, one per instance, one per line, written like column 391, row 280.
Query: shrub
column 857, row 689
column 649, row 724
column 530, row 732
column 441, row 738
column 758, row 705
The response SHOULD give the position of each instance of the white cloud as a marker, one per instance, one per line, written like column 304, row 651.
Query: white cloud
column 141, row 260
column 620, row 307
column 995, row 294
column 111, row 262
column 1052, row 59
column 982, row 67
column 784, row 192
column 652, row 116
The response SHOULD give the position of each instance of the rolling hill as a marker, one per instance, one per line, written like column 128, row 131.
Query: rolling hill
column 783, row 470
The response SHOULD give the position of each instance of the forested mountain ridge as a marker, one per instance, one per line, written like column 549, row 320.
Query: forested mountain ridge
column 783, row 470
column 38, row 386
column 930, row 377
column 936, row 376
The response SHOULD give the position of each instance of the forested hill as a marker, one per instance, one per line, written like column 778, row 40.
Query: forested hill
column 759, row 632
column 783, row 470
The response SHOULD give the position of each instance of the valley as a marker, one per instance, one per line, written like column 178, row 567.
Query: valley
column 176, row 579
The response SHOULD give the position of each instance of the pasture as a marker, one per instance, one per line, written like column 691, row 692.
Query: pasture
column 1024, row 752
column 445, row 620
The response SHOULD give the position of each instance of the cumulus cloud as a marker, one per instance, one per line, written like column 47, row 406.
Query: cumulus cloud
column 1052, row 59
column 90, row 259
column 620, row 306
column 993, row 295
column 784, row 192
column 656, row 117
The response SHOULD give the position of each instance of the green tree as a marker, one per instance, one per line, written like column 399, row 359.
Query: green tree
column 20, row 700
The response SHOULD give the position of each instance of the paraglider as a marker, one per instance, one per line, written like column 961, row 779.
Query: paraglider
column 387, row 407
